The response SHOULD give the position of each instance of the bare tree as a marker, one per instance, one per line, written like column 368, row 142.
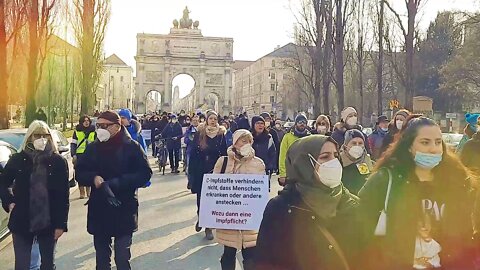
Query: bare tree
column 327, row 54
column 409, row 34
column 92, row 19
column 40, row 18
column 381, row 17
column 12, row 19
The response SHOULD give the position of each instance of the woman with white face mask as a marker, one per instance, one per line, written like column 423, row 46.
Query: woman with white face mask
column 357, row 165
column 395, row 126
column 310, row 224
column 39, row 203
column 240, row 159
column 350, row 120
column 418, row 202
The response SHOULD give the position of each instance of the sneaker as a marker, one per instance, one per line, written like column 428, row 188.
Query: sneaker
column 209, row 234
column 197, row 227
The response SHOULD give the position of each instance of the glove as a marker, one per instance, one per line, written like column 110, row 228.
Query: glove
column 111, row 199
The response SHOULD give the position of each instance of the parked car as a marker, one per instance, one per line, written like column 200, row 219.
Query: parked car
column 288, row 125
column 6, row 150
column 452, row 140
column 15, row 137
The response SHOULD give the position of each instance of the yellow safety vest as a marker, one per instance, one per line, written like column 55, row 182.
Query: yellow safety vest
column 84, row 142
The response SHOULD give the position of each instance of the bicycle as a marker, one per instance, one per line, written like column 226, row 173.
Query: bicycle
column 162, row 154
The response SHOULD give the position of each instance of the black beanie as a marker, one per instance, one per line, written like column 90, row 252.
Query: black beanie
column 256, row 119
column 300, row 117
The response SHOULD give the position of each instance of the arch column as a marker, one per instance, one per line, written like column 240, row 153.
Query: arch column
column 167, row 91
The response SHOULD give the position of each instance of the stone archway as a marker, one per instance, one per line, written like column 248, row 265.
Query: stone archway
column 185, row 51
column 151, row 102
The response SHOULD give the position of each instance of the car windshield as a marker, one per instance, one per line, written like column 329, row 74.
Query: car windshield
column 14, row 139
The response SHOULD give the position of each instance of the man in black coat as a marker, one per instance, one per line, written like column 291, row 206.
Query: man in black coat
column 114, row 166
column 173, row 134
column 243, row 122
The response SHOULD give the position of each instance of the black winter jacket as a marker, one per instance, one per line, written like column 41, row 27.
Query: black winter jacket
column 122, row 163
column 266, row 150
column 17, row 173
column 290, row 239
column 203, row 161
column 396, row 249
column 173, row 131
column 470, row 154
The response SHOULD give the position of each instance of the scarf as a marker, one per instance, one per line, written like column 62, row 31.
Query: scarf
column 212, row 132
column 300, row 134
column 39, row 213
column 235, row 160
column 321, row 200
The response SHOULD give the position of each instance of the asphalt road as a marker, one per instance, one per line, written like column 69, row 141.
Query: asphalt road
column 166, row 238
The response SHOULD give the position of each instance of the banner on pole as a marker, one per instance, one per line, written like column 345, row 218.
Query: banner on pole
column 233, row 201
column 146, row 134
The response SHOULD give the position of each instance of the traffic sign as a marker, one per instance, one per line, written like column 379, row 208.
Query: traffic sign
column 394, row 104
column 451, row 115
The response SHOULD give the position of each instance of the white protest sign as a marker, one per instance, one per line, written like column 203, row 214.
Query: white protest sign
column 146, row 134
column 233, row 201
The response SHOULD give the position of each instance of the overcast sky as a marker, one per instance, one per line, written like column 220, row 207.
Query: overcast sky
column 257, row 26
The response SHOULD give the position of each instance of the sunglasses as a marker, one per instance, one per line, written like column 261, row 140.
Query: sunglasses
column 302, row 122
column 104, row 125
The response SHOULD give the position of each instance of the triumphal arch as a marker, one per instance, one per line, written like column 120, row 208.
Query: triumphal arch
column 208, row 60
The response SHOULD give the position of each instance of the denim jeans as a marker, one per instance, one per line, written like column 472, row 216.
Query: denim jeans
column 103, row 249
column 35, row 259
column 23, row 244
column 174, row 156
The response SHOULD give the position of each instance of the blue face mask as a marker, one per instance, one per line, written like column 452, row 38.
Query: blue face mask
column 427, row 161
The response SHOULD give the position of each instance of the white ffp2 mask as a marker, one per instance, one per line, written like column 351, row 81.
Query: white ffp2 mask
column 103, row 135
column 330, row 172
column 40, row 144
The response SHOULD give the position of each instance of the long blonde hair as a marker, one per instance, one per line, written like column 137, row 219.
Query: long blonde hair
column 36, row 127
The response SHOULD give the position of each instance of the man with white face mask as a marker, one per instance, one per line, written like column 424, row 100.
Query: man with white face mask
column 375, row 140
column 357, row 165
column 114, row 166
column 173, row 133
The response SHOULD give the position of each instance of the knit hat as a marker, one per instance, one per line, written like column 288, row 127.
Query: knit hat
column 472, row 118
column 403, row 113
column 256, row 119
column 173, row 116
column 351, row 134
column 382, row 118
column 239, row 133
column 346, row 112
column 210, row 113
column 111, row 116
column 265, row 115
column 300, row 117
column 126, row 113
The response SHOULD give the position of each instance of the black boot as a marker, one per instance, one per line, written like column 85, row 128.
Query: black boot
column 208, row 234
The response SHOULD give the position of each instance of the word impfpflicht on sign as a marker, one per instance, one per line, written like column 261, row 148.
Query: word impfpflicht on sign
column 233, row 201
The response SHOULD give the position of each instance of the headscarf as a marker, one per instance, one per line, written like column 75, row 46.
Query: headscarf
column 301, row 173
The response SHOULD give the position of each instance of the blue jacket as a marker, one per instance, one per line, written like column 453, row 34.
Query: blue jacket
column 265, row 149
column 188, row 138
column 229, row 138
column 173, row 133
column 375, row 141
column 134, row 130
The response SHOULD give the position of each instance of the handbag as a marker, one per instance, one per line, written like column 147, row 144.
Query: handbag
column 381, row 228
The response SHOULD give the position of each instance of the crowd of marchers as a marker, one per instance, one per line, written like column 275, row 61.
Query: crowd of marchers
column 396, row 199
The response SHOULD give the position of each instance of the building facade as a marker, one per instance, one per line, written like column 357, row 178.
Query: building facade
column 208, row 60
column 116, row 89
